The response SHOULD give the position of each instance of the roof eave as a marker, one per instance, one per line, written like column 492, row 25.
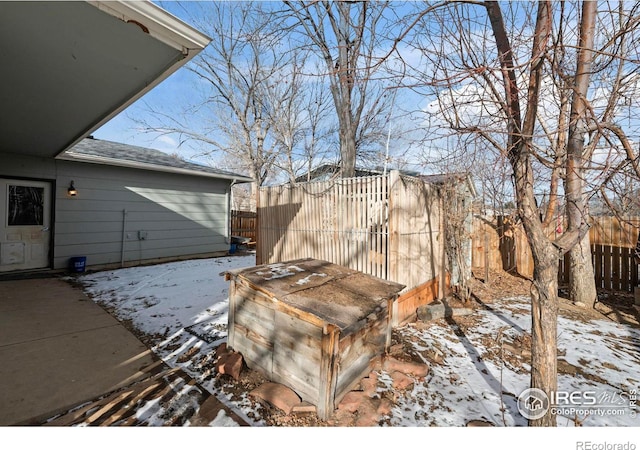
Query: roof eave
column 70, row 156
column 159, row 23
column 163, row 26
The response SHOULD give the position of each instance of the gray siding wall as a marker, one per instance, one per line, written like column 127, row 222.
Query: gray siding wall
column 178, row 215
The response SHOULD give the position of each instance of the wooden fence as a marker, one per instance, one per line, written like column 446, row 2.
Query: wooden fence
column 385, row 226
column 612, row 231
column 244, row 224
column 612, row 248
column 501, row 245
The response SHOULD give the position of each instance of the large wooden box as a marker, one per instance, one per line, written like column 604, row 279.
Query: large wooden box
column 311, row 325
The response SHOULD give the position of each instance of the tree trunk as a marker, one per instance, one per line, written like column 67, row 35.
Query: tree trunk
column 582, row 283
column 544, row 325
column 348, row 154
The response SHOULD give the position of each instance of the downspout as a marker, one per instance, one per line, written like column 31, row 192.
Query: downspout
column 229, row 195
column 124, row 225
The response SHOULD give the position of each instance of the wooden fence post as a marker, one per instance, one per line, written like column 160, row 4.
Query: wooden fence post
column 486, row 257
column 260, row 234
column 394, row 217
column 442, row 276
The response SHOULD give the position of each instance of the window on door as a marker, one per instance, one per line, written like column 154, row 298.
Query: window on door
column 26, row 205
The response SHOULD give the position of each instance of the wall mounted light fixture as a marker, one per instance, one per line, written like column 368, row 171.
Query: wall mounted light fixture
column 72, row 191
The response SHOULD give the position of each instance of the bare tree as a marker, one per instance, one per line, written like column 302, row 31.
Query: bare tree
column 582, row 285
column 489, row 75
column 236, row 103
column 346, row 36
column 285, row 112
column 603, row 84
column 614, row 145
column 319, row 138
column 544, row 301
column 301, row 122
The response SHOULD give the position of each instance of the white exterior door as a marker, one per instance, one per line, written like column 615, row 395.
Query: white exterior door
column 25, row 221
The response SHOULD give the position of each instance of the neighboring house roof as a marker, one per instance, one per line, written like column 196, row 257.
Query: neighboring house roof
column 110, row 153
column 328, row 171
column 453, row 177
column 69, row 67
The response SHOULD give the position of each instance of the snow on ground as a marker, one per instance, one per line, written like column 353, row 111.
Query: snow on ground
column 180, row 309
column 475, row 383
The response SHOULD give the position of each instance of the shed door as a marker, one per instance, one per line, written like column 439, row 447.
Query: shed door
column 25, row 220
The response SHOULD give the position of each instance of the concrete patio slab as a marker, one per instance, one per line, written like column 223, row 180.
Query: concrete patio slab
column 58, row 349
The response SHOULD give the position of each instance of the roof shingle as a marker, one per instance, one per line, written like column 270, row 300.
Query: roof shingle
column 114, row 153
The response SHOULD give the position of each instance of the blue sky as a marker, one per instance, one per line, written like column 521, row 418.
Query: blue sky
column 170, row 95
column 172, row 91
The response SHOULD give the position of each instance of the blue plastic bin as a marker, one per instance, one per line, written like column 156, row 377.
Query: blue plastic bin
column 78, row 264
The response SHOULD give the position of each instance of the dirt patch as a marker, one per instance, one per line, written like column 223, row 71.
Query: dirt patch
column 581, row 313
column 566, row 368
column 612, row 305
column 500, row 284
column 619, row 307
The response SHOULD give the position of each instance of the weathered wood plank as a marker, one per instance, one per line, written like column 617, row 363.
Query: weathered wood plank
column 352, row 295
column 306, row 385
column 328, row 372
column 625, row 272
column 615, row 268
column 293, row 331
column 370, row 341
column 231, row 321
column 606, row 257
column 302, row 370
column 598, row 263
column 408, row 303
column 118, row 400
column 294, row 337
column 297, row 353
column 257, row 355
column 254, row 317
column 261, row 297
column 351, row 374
column 339, row 307
column 128, row 408
column 262, row 340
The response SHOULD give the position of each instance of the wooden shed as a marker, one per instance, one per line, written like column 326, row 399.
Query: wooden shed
column 311, row 325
